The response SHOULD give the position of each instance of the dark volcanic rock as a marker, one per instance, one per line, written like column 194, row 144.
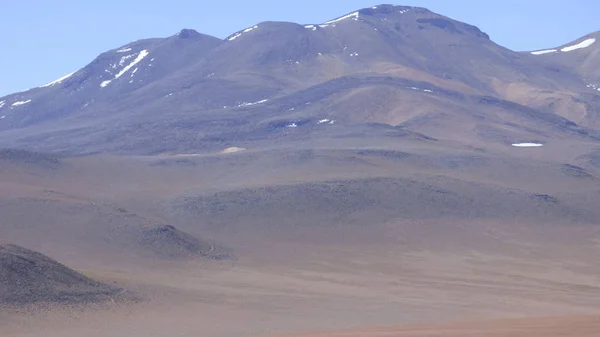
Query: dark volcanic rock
column 30, row 277
column 169, row 242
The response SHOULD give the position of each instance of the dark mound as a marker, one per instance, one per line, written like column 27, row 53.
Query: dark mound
column 29, row 277
column 368, row 201
column 33, row 159
column 169, row 242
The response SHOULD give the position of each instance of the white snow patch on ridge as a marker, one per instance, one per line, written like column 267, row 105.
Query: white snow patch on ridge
column 137, row 60
column 21, row 102
column 124, row 50
column 542, row 52
column 254, row 103
column 57, row 80
column 580, row 45
column 2, row 103
column 351, row 15
column 238, row 34
column 328, row 121
column 527, row 145
column 583, row 44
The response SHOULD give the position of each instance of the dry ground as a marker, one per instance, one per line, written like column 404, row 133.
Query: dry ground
column 487, row 236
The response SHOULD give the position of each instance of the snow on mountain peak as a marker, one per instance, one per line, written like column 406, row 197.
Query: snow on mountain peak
column 580, row 45
column 542, row 52
column 238, row 34
column 57, row 80
column 583, row 44
column 137, row 60
column 354, row 16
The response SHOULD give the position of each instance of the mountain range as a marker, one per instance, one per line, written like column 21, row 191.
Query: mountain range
column 394, row 66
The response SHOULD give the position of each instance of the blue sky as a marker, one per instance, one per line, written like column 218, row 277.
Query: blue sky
column 45, row 39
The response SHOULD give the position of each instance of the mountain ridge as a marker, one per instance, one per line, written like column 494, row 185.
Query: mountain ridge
column 192, row 76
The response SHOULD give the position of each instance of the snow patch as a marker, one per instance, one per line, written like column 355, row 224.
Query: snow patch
column 293, row 125
column 57, row 81
column 254, row 103
column 233, row 150
column 2, row 103
column 125, row 58
column 238, row 34
column 312, row 27
column 21, row 102
column 402, row 11
column 137, row 60
column 124, row 50
column 419, row 89
column 527, row 145
column 210, row 75
column 591, row 86
column 583, row 44
column 542, row 52
column 323, row 121
column 2, row 117
column 580, row 45
column 354, row 54
column 351, row 15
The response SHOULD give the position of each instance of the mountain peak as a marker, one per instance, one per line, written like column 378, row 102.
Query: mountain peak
column 423, row 18
column 188, row 33
column 385, row 9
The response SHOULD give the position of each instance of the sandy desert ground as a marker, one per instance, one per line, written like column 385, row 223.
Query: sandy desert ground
column 315, row 249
